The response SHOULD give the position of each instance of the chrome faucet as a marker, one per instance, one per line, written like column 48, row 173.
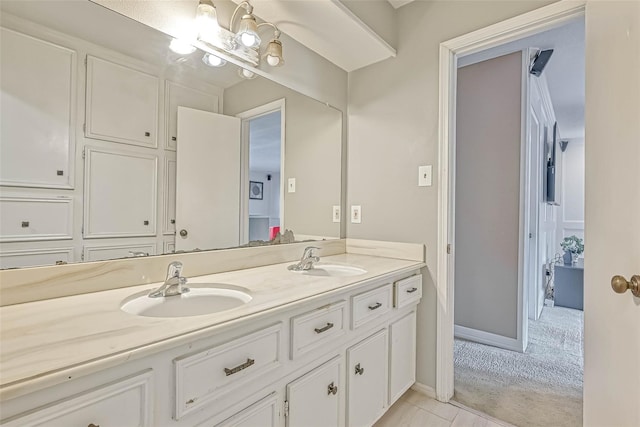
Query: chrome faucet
column 174, row 284
column 307, row 261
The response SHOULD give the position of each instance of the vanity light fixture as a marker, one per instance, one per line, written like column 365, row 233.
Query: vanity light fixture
column 181, row 47
column 207, row 20
column 247, row 33
column 273, row 54
column 213, row 61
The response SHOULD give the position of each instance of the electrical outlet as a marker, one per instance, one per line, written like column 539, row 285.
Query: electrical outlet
column 424, row 176
column 336, row 213
column 291, row 187
column 356, row 214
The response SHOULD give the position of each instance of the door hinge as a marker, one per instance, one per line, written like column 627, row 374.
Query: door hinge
column 85, row 61
column 286, row 408
column 82, row 256
column 84, row 128
column 449, row 248
column 83, row 154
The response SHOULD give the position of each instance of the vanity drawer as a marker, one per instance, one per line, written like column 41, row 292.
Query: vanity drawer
column 203, row 376
column 370, row 305
column 315, row 328
column 408, row 290
column 35, row 218
column 126, row 402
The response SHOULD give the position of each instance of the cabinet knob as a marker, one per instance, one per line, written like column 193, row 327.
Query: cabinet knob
column 183, row 233
column 359, row 370
column 25, row 224
column 146, row 222
column 147, row 134
column 332, row 389
column 60, row 173
column 173, row 138
column 173, row 221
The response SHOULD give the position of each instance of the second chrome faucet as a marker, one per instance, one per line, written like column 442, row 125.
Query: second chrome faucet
column 307, row 261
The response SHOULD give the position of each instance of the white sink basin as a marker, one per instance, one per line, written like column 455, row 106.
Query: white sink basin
column 203, row 298
column 334, row 270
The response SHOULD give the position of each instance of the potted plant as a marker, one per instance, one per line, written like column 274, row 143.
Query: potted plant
column 572, row 247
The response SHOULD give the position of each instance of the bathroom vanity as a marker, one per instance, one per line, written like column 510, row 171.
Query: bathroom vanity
column 309, row 348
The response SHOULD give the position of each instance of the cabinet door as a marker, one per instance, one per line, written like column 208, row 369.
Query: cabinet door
column 169, row 225
column 37, row 89
column 120, row 194
column 402, row 356
column 367, row 380
column 122, row 104
column 263, row 413
column 34, row 257
column 314, row 399
column 182, row 96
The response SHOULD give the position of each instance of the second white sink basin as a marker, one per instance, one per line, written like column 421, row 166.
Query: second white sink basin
column 201, row 299
column 334, row 270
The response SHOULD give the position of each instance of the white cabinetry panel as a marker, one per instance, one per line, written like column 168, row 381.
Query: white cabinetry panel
column 314, row 399
column 38, row 86
column 316, row 328
column 402, row 356
column 122, row 104
column 263, row 413
column 367, row 380
column 102, row 253
column 368, row 306
column 120, row 193
column 124, row 403
column 35, row 257
column 182, row 96
column 169, row 225
column 35, row 218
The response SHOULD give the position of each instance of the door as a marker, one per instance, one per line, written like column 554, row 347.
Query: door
column 207, row 180
column 314, row 399
column 402, row 356
column 612, row 210
column 367, row 380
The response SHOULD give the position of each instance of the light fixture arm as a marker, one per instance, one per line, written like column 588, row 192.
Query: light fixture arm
column 247, row 7
column 276, row 31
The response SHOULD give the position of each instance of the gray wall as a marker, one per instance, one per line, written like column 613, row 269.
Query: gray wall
column 313, row 153
column 393, row 128
column 487, row 197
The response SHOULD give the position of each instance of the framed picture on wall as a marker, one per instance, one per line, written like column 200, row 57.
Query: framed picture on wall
column 255, row 190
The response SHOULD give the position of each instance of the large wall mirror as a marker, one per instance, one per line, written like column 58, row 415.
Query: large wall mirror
column 112, row 145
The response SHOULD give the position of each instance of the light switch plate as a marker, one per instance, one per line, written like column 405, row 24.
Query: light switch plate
column 356, row 214
column 424, row 176
column 291, row 187
column 336, row 213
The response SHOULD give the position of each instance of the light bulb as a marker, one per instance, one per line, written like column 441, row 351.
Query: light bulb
column 273, row 60
column 213, row 60
column 181, row 47
column 248, row 39
column 207, row 21
column 246, row 74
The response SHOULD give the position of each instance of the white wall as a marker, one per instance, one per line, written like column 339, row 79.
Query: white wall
column 393, row 128
column 571, row 210
column 487, row 199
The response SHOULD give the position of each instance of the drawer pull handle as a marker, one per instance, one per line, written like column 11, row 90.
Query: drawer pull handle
column 173, row 138
column 25, row 224
column 332, row 389
column 239, row 368
column 359, row 370
column 375, row 306
column 324, row 329
column 93, row 425
column 412, row 290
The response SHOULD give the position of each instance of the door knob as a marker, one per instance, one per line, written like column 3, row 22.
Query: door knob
column 183, row 233
column 620, row 285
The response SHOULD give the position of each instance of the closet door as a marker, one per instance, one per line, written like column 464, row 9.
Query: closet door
column 182, row 96
column 120, row 193
column 37, row 88
column 122, row 104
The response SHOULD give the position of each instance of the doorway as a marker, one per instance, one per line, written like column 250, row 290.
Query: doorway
column 262, row 172
column 515, row 249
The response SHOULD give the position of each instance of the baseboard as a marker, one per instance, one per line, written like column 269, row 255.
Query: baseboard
column 424, row 389
column 487, row 338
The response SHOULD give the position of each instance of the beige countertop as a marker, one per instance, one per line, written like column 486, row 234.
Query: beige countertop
column 44, row 343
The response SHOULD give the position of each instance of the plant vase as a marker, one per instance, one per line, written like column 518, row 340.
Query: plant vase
column 567, row 258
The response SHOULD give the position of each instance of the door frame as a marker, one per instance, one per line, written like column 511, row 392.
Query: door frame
column 246, row 117
column 543, row 19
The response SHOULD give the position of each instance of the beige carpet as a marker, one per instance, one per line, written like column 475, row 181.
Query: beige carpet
column 542, row 387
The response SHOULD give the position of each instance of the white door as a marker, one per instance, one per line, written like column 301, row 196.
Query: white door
column 207, row 180
column 612, row 211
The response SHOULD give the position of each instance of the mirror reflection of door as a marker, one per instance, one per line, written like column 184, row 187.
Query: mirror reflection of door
column 262, row 213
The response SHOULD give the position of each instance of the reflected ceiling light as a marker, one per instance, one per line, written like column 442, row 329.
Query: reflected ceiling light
column 213, row 60
column 181, row 47
column 207, row 20
column 246, row 74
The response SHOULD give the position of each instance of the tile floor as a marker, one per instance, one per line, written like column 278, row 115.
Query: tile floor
column 415, row 409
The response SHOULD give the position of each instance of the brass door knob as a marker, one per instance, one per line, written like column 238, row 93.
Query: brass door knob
column 183, row 233
column 620, row 285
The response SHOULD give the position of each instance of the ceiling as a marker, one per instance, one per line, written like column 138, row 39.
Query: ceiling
column 264, row 145
column 564, row 72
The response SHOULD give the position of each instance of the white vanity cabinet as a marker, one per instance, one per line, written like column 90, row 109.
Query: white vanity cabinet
column 122, row 104
column 367, row 380
column 178, row 95
column 402, row 355
column 264, row 413
column 313, row 400
column 38, row 87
